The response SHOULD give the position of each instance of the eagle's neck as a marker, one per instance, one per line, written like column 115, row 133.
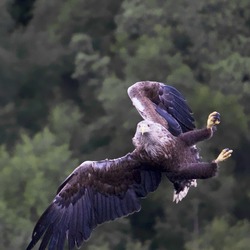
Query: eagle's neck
column 156, row 147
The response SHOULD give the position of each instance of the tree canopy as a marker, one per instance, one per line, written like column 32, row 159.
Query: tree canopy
column 65, row 67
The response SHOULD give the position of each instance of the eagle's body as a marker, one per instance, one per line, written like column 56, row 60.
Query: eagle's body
column 162, row 148
column 99, row 191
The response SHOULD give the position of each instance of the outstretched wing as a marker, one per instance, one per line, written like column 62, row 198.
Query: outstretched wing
column 162, row 104
column 95, row 192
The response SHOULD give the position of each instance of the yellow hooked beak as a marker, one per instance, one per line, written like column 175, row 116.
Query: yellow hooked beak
column 144, row 128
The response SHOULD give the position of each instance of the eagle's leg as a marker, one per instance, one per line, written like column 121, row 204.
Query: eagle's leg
column 203, row 170
column 192, row 137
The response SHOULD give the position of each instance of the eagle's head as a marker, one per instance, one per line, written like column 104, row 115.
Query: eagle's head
column 150, row 136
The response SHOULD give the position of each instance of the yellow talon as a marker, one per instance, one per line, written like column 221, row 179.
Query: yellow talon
column 213, row 119
column 225, row 154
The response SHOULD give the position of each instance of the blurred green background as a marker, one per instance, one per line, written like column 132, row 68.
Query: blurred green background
column 65, row 67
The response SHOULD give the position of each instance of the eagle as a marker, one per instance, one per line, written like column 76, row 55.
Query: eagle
column 100, row 191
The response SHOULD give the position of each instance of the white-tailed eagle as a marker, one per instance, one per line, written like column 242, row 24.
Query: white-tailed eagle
column 100, row 191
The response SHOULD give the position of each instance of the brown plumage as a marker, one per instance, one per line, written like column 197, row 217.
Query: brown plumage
column 99, row 191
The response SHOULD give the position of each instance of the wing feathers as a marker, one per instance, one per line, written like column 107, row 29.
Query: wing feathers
column 94, row 193
column 150, row 180
column 86, row 218
column 173, row 126
column 62, row 228
column 46, row 237
column 162, row 104
column 173, row 102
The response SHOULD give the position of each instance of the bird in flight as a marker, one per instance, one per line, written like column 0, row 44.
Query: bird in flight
column 100, row 191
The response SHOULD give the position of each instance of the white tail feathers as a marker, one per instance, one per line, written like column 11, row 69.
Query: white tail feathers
column 179, row 196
